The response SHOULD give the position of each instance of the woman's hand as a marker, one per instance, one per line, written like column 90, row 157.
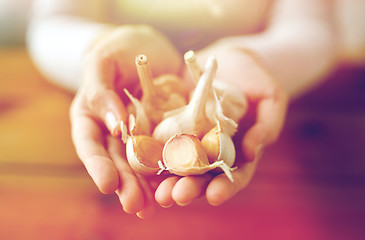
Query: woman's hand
column 97, row 109
column 267, row 104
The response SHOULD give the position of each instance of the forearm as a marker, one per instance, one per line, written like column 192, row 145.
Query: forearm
column 299, row 46
column 58, row 37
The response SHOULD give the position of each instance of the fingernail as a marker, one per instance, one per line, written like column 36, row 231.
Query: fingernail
column 124, row 133
column 183, row 204
column 140, row 215
column 111, row 123
column 166, row 206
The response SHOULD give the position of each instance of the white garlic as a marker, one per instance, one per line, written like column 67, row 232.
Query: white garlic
column 184, row 155
column 219, row 146
column 155, row 101
column 190, row 119
column 192, row 65
column 143, row 154
column 140, row 124
column 233, row 103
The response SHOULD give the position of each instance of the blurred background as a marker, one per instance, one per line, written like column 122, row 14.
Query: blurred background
column 309, row 185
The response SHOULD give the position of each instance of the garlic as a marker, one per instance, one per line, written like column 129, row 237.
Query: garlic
column 170, row 84
column 155, row 101
column 139, row 125
column 184, row 155
column 227, row 125
column 233, row 103
column 219, row 146
column 143, row 154
column 192, row 65
column 190, row 119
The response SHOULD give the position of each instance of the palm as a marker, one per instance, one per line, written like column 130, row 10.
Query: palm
column 262, row 124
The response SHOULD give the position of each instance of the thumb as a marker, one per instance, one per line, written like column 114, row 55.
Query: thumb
column 107, row 105
column 100, row 75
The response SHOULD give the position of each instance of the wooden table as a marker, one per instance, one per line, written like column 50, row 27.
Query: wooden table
column 309, row 185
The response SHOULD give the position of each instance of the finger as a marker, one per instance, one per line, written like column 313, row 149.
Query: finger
column 270, row 118
column 100, row 76
column 189, row 188
column 129, row 191
column 149, row 202
column 221, row 189
column 87, row 138
column 163, row 192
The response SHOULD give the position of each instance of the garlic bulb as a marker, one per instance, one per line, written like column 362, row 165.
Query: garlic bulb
column 219, row 146
column 190, row 119
column 184, row 155
column 155, row 101
column 143, row 154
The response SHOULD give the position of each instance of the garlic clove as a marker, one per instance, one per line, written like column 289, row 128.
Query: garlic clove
column 184, row 155
column 190, row 119
column 211, row 144
column 143, row 154
column 140, row 124
column 219, row 146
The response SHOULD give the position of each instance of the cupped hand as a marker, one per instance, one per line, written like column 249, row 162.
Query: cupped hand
column 259, row 127
column 98, row 109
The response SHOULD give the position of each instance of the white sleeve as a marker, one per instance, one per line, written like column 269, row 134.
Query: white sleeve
column 300, row 44
column 59, row 34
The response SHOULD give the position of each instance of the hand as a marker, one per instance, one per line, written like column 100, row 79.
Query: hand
column 259, row 127
column 97, row 110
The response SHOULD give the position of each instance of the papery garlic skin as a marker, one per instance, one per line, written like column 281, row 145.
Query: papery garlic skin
column 143, row 154
column 139, row 124
column 233, row 103
column 225, row 124
column 191, row 119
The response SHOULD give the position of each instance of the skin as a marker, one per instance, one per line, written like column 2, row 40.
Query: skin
column 106, row 71
column 260, row 127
